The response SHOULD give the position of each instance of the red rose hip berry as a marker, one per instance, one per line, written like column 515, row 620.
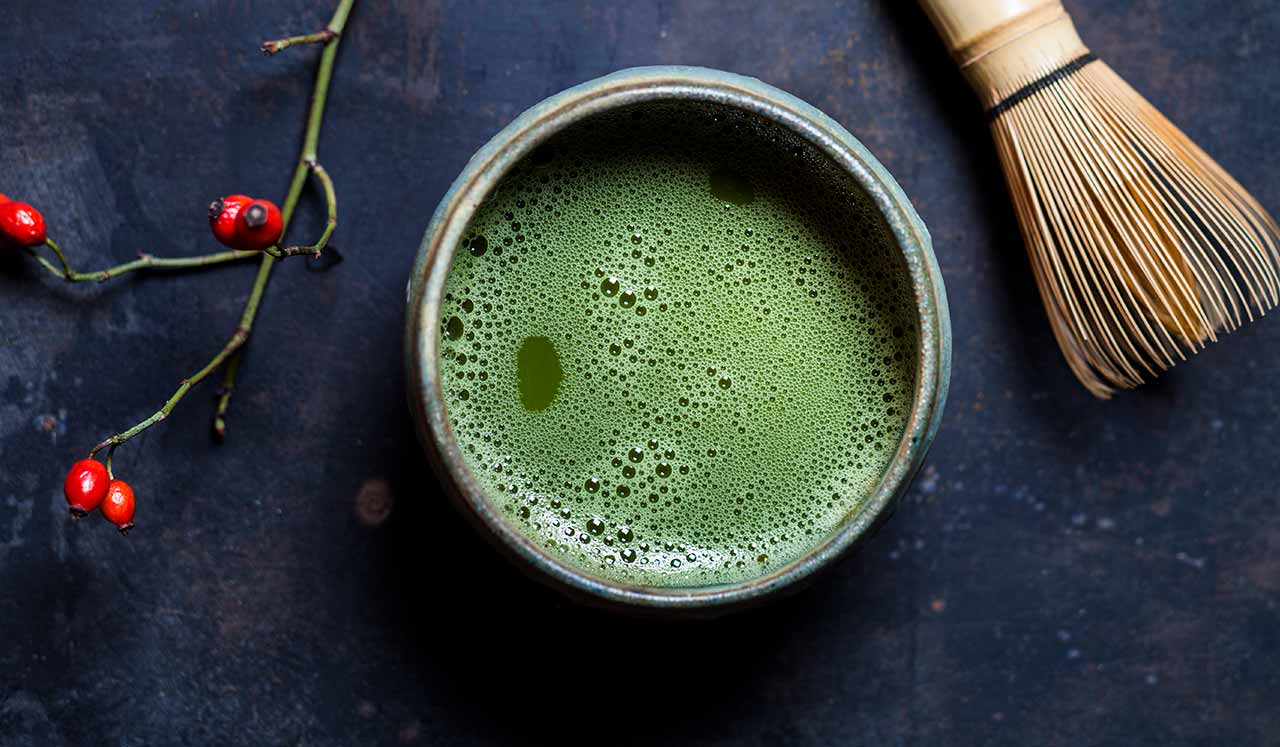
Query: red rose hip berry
column 222, row 218
column 117, row 507
column 260, row 225
column 85, row 486
column 22, row 224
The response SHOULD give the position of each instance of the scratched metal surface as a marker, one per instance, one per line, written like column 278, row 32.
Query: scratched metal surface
column 1065, row 571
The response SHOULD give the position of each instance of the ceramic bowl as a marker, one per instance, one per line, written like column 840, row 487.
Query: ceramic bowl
column 698, row 88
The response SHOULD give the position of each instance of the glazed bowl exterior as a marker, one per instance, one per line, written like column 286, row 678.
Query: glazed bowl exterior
column 532, row 128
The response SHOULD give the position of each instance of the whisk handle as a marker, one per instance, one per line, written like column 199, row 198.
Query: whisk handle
column 973, row 29
column 1000, row 45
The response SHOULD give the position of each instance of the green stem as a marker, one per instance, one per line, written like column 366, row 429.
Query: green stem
column 47, row 264
column 279, row 45
column 331, row 201
column 231, row 352
column 224, row 397
column 67, row 272
column 234, row 344
column 143, row 262
column 306, row 162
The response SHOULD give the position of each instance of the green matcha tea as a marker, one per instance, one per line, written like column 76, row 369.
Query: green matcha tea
column 678, row 348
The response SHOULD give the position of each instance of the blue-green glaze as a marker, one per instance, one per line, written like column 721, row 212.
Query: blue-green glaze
column 486, row 169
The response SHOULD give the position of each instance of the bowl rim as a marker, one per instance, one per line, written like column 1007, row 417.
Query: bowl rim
column 482, row 174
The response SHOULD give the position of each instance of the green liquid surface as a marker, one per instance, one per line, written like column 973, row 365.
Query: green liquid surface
column 677, row 350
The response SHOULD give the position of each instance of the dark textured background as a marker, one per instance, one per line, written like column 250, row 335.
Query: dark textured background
column 1065, row 570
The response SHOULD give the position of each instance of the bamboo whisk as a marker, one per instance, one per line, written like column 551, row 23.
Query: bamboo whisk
column 1142, row 246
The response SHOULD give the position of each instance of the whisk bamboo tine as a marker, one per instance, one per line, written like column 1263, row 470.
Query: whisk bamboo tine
column 1118, row 298
column 1142, row 246
column 1113, row 182
column 1225, row 183
column 1206, row 261
column 1033, row 230
column 1049, row 272
column 1066, row 244
column 1093, row 218
column 1226, row 230
column 1189, row 174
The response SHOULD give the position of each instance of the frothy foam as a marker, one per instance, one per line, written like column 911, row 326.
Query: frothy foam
column 677, row 349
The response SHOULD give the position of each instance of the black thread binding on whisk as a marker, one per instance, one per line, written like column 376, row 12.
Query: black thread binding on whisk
column 1030, row 89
